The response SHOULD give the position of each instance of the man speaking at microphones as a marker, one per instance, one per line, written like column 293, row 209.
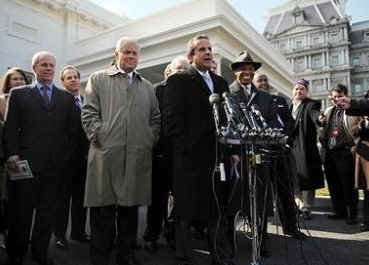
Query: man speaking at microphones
column 189, row 122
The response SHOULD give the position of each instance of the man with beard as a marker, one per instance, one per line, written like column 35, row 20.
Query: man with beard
column 188, row 121
column 284, row 164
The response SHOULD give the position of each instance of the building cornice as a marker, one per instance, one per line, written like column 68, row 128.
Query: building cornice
column 85, row 10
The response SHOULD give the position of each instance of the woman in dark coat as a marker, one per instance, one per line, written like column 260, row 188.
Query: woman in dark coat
column 306, row 113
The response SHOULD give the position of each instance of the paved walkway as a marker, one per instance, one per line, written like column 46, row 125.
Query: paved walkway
column 330, row 243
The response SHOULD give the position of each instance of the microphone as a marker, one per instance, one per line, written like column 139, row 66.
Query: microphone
column 214, row 100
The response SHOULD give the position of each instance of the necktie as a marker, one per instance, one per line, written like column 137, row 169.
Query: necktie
column 209, row 82
column 77, row 102
column 44, row 94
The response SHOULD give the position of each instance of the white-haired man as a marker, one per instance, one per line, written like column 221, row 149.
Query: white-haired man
column 41, row 127
column 121, row 118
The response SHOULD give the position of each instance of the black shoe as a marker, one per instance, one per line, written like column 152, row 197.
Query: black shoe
column 364, row 227
column 336, row 216
column 151, row 246
column 351, row 221
column 296, row 234
column 61, row 243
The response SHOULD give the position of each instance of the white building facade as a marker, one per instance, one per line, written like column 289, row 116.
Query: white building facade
column 82, row 34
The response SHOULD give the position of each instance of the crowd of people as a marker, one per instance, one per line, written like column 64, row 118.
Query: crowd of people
column 125, row 143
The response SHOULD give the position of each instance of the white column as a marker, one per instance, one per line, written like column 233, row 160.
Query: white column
column 218, row 59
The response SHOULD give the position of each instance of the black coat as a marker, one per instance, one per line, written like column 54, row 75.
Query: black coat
column 308, row 162
column 45, row 135
column 263, row 100
column 189, row 123
column 358, row 107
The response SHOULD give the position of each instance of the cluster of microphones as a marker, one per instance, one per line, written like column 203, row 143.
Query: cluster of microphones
column 244, row 122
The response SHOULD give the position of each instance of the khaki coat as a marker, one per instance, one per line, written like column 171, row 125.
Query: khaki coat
column 122, row 122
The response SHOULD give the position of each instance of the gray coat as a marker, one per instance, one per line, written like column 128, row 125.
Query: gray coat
column 122, row 122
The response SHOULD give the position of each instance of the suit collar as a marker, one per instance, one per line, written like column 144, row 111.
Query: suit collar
column 36, row 94
column 114, row 70
column 200, row 80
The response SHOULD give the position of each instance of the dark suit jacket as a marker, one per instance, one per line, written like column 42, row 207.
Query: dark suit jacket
column 359, row 107
column 263, row 100
column 189, row 123
column 81, row 151
column 308, row 162
column 45, row 135
column 283, row 111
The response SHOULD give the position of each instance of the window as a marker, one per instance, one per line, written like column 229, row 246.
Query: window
column 316, row 61
column 357, row 88
column 298, row 44
column 356, row 61
column 283, row 45
column 317, row 39
column 318, row 85
column 300, row 64
column 366, row 36
column 333, row 37
column 300, row 18
column 335, row 59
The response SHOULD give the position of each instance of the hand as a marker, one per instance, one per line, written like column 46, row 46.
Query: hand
column 343, row 102
column 236, row 159
column 322, row 118
column 12, row 162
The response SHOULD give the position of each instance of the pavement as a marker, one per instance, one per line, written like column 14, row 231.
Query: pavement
column 329, row 243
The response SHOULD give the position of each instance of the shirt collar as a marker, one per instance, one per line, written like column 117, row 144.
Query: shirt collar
column 123, row 72
column 203, row 74
column 39, row 85
column 113, row 70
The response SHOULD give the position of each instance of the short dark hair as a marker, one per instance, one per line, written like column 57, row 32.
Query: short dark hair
column 68, row 67
column 340, row 88
column 191, row 43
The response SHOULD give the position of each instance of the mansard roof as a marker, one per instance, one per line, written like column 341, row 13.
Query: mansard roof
column 314, row 14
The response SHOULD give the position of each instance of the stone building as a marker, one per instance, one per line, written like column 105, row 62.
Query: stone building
column 84, row 34
column 322, row 46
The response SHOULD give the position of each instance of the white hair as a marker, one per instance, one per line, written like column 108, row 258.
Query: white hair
column 36, row 57
column 123, row 41
column 179, row 59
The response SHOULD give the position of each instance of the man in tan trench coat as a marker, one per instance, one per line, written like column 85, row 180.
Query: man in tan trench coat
column 122, row 120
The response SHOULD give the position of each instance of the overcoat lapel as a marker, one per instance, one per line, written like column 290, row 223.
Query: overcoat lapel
column 200, row 81
column 35, row 93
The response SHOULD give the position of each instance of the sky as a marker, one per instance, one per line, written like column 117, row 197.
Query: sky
column 255, row 12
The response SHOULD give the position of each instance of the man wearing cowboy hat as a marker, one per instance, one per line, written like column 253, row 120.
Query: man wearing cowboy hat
column 244, row 68
column 243, row 91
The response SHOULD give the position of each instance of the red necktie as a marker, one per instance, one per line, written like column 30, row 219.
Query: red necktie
column 44, row 94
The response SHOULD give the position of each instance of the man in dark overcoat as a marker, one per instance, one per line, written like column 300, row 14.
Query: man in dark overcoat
column 189, row 123
column 306, row 113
